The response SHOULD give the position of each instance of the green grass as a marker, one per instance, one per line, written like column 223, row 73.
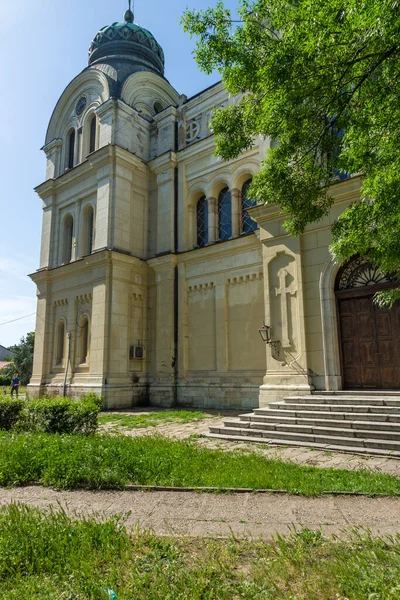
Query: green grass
column 109, row 461
column 49, row 555
column 152, row 419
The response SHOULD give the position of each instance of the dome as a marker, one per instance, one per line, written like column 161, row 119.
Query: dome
column 129, row 43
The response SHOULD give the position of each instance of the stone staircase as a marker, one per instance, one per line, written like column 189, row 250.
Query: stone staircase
column 358, row 422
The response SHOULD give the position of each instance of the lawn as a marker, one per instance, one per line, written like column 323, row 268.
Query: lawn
column 113, row 461
column 152, row 419
column 53, row 556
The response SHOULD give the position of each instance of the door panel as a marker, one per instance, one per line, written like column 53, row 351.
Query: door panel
column 370, row 340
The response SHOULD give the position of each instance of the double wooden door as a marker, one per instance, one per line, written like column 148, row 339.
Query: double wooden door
column 370, row 342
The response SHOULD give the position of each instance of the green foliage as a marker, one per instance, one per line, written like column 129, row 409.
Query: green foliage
column 50, row 554
column 322, row 78
column 109, row 461
column 10, row 411
column 4, row 379
column 22, row 360
column 56, row 415
column 61, row 415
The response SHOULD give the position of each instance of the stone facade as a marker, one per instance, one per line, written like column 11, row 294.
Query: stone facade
column 144, row 298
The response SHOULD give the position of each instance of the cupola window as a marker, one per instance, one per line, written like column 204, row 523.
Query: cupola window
column 71, row 149
column 92, row 134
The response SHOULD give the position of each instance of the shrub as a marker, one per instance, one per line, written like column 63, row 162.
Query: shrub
column 10, row 411
column 62, row 415
column 4, row 379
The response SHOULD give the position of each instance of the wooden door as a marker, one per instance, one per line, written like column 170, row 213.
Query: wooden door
column 370, row 343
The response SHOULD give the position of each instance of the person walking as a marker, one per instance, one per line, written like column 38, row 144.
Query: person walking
column 15, row 383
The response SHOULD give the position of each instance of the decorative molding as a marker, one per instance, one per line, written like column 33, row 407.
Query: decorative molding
column 62, row 302
column 201, row 287
column 84, row 297
column 245, row 278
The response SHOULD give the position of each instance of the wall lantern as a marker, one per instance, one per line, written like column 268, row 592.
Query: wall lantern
column 265, row 333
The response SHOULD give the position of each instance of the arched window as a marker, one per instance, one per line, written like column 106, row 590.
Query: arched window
column 68, row 238
column 71, row 149
column 158, row 107
column 84, row 341
column 60, row 343
column 248, row 225
column 92, row 134
column 224, row 215
column 202, row 222
column 87, row 231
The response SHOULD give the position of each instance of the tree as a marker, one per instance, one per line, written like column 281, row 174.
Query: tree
column 321, row 77
column 22, row 359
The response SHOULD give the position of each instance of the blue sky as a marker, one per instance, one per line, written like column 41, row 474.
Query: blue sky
column 43, row 46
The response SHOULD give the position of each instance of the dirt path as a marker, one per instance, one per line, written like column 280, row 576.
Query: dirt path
column 217, row 515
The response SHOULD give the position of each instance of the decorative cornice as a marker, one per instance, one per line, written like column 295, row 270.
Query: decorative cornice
column 245, row 278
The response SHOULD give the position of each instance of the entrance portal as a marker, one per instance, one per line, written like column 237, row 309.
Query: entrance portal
column 369, row 335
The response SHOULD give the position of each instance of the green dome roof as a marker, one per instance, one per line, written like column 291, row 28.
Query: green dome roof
column 127, row 42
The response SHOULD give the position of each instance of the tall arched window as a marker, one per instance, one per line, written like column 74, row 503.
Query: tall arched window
column 60, row 343
column 86, row 240
column 84, row 341
column 68, row 238
column 92, row 134
column 248, row 225
column 71, row 149
column 224, row 215
column 202, row 222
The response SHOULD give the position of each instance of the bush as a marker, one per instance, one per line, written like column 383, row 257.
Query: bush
column 10, row 411
column 61, row 415
column 4, row 380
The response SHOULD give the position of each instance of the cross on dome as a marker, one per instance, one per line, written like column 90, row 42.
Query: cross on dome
column 129, row 16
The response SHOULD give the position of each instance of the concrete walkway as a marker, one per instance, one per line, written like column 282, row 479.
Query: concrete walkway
column 301, row 456
column 218, row 515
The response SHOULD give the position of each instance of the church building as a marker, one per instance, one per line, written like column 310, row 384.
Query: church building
column 157, row 271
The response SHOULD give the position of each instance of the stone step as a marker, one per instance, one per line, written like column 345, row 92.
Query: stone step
column 360, row 408
column 308, row 438
column 254, row 420
column 259, row 414
column 342, row 400
column 331, row 447
column 316, row 428
column 393, row 393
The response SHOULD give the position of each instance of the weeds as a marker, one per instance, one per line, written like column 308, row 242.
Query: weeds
column 109, row 461
column 152, row 419
column 51, row 555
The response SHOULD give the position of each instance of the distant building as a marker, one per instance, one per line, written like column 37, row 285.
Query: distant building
column 4, row 353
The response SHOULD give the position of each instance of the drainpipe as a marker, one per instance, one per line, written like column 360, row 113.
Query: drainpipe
column 67, row 362
column 176, row 242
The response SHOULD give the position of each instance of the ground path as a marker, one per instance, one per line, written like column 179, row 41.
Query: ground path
column 301, row 456
column 221, row 515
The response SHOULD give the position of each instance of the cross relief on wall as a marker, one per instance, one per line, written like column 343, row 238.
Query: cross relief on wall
column 283, row 291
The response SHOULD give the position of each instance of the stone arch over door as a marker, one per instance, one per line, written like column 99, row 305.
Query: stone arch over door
column 330, row 332
column 369, row 336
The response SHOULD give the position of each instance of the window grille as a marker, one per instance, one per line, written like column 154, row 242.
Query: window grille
column 224, row 215
column 202, row 222
column 248, row 225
